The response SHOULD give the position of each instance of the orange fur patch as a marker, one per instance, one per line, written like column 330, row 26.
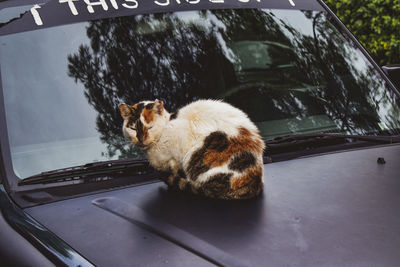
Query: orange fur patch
column 146, row 133
column 248, row 186
column 245, row 141
column 148, row 115
column 249, row 141
column 241, row 182
column 247, row 179
column 215, row 158
column 125, row 111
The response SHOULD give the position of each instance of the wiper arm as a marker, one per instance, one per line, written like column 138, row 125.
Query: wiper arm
column 295, row 142
column 90, row 170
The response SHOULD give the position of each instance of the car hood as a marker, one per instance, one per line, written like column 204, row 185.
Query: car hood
column 334, row 209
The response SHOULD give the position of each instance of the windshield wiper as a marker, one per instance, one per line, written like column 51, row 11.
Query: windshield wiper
column 90, row 171
column 279, row 145
column 307, row 142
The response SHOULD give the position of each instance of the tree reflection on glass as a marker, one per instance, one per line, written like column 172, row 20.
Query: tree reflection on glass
column 253, row 59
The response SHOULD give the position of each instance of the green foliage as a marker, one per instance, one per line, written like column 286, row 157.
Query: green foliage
column 375, row 23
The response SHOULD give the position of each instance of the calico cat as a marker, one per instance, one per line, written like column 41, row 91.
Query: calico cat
column 211, row 147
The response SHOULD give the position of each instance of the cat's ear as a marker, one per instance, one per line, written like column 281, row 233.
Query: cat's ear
column 126, row 111
column 159, row 106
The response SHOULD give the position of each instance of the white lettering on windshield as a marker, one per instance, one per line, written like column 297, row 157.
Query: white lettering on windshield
column 135, row 4
column 36, row 16
column 130, row 4
column 164, row 4
column 74, row 11
column 71, row 6
column 167, row 2
column 292, row 2
column 99, row 3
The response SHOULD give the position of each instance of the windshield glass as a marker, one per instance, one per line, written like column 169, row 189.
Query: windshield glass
column 291, row 71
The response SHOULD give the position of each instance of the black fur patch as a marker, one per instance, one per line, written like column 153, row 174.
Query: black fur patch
column 149, row 106
column 217, row 185
column 173, row 116
column 242, row 161
column 196, row 164
column 138, row 111
column 139, row 131
column 254, row 188
column 181, row 173
column 135, row 114
column 217, row 141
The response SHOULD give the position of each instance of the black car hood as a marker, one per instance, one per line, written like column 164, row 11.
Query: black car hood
column 335, row 209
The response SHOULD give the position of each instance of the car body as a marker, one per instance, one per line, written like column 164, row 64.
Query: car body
column 73, row 192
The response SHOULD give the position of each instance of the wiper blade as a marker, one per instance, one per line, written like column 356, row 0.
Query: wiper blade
column 306, row 141
column 299, row 137
column 90, row 170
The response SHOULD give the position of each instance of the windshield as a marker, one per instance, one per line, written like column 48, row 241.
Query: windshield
column 291, row 71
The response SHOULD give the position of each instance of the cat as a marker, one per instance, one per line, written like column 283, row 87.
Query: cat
column 211, row 147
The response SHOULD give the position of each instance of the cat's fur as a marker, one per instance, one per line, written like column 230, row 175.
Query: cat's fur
column 211, row 147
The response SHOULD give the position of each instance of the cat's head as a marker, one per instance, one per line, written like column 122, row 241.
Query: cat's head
column 144, row 122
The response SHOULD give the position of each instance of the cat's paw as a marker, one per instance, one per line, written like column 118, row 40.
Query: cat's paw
column 177, row 183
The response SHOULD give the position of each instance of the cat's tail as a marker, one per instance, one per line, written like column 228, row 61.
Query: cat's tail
column 181, row 183
column 222, row 185
column 249, row 184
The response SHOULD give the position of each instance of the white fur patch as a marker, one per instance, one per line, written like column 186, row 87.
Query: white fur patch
column 177, row 139
column 213, row 171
